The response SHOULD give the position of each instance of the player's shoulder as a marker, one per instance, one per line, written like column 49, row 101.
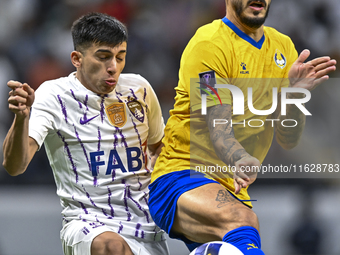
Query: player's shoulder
column 209, row 37
column 52, row 88
column 131, row 80
column 210, row 32
column 59, row 84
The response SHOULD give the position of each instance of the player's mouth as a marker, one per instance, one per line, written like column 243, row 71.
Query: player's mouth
column 257, row 5
column 111, row 82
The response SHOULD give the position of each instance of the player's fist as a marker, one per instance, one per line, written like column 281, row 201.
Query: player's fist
column 21, row 98
column 246, row 172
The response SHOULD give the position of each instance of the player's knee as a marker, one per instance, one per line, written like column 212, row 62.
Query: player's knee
column 249, row 218
column 106, row 245
column 239, row 217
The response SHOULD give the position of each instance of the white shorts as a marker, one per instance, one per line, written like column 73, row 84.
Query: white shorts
column 74, row 241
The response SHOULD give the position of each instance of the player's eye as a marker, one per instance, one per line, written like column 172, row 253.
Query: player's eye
column 120, row 57
column 103, row 57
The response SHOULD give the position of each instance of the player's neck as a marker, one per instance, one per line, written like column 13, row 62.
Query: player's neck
column 254, row 33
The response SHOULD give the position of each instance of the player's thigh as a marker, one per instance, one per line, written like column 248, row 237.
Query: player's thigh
column 208, row 212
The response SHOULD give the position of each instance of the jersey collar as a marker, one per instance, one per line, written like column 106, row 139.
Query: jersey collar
column 243, row 35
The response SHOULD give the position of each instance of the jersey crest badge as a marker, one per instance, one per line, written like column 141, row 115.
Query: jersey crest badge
column 280, row 59
column 116, row 113
column 136, row 110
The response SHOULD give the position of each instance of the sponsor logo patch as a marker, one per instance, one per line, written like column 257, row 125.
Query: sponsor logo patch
column 116, row 113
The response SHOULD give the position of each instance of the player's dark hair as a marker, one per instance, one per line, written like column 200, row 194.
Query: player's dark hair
column 97, row 28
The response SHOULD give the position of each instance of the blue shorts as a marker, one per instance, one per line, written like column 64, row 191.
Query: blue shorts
column 164, row 193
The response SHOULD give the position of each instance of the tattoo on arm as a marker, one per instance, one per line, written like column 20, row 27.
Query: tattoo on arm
column 227, row 148
column 225, row 198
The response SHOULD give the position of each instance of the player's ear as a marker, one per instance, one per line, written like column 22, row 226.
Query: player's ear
column 76, row 58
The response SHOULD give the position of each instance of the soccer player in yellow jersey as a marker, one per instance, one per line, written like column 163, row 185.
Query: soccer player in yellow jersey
column 187, row 199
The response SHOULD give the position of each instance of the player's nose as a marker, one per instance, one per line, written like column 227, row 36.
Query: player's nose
column 112, row 66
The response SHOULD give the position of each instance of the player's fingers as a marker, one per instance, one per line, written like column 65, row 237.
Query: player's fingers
column 14, row 84
column 20, row 92
column 318, row 81
column 239, row 183
column 324, row 72
column 237, row 187
column 303, row 56
column 318, row 61
column 15, row 100
column 329, row 64
column 28, row 89
column 17, row 108
column 242, row 175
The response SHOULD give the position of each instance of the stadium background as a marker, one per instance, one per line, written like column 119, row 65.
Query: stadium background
column 297, row 216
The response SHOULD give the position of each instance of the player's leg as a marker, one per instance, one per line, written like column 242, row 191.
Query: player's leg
column 202, row 217
column 147, row 247
column 192, row 208
column 210, row 213
column 109, row 243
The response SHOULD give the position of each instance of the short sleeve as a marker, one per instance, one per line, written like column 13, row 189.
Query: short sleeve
column 155, row 118
column 42, row 117
column 203, row 66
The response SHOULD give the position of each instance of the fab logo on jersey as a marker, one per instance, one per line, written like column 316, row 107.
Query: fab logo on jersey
column 116, row 113
column 130, row 162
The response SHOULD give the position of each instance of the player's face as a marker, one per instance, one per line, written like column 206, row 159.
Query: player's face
column 100, row 66
column 251, row 13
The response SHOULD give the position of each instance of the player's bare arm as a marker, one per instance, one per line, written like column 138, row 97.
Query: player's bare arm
column 227, row 148
column 289, row 137
column 307, row 75
column 18, row 147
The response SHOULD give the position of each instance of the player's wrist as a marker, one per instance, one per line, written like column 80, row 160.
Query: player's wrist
column 22, row 116
column 295, row 95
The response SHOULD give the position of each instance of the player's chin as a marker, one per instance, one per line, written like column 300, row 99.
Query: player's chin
column 107, row 89
column 256, row 14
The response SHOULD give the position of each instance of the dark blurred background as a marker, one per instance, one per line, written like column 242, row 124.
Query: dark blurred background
column 35, row 45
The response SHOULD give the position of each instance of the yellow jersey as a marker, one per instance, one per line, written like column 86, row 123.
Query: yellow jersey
column 220, row 53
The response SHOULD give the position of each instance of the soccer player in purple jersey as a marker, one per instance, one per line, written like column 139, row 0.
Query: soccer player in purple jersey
column 102, row 130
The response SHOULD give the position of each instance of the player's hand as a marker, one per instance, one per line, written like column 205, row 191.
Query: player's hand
column 312, row 73
column 21, row 98
column 246, row 172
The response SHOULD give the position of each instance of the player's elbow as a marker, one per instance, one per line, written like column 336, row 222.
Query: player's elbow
column 12, row 170
column 287, row 145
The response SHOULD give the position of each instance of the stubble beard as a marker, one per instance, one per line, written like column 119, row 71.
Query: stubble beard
column 252, row 22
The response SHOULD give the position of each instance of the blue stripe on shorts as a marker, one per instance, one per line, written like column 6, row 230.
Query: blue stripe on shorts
column 164, row 193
